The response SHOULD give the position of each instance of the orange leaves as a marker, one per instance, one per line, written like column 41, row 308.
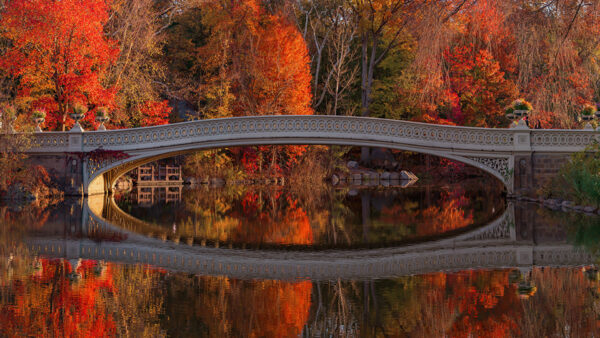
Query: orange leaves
column 50, row 303
column 287, row 225
column 60, row 52
column 268, row 60
column 257, row 64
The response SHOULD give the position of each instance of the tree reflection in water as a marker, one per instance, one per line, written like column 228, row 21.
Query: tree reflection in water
column 276, row 216
column 45, row 297
column 48, row 298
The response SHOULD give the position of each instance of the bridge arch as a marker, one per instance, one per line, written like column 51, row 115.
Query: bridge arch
column 490, row 150
column 108, row 175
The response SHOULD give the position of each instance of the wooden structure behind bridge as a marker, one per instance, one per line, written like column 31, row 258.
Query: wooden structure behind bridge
column 156, row 174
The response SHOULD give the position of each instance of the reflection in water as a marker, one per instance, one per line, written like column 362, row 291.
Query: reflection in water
column 113, row 299
column 42, row 295
column 275, row 216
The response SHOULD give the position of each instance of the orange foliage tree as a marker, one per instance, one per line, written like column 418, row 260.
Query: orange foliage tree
column 256, row 64
column 60, row 54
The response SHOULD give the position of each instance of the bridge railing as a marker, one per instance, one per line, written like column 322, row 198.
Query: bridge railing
column 314, row 126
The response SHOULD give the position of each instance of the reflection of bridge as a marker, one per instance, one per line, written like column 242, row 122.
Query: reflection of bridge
column 518, row 157
column 492, row 246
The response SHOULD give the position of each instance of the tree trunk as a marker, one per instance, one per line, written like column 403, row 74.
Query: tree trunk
column 365, row 152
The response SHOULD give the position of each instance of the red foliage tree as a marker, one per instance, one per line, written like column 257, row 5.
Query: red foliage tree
column 155, row 113
column 60, row 54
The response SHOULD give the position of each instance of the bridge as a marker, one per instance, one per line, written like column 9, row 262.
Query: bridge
column 494, row 246
column 519, row 157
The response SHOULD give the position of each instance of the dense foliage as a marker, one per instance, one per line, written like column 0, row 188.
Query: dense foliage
column 457, row 62
column 151, row 62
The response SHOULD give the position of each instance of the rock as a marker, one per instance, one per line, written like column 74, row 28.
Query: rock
column 578, row 208
column 589, row 209
column 567, row 204
column 407, row 183
column 352, row 164
column 335, row 180
column 408, row 176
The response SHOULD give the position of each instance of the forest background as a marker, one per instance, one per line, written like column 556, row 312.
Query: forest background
column 152, row 62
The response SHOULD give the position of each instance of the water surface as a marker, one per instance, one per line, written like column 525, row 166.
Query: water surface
column 447, row 260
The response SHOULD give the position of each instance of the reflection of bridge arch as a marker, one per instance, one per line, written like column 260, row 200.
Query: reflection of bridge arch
column 492, row 150
column 327, row 265
column 490, row 247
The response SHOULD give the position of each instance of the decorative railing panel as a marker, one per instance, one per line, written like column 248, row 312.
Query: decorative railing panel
column 327, row 127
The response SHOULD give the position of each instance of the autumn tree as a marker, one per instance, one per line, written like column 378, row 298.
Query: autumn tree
column 250, row 62
column 330, row 30
column 558, row 56
column 139, row 27
column 61, row 59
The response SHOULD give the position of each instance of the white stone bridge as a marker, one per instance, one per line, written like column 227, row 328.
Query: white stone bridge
column 519, row 157
column 493, row 246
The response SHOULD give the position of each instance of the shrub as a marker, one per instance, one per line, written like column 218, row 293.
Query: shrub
column 39, row 114
column 588, row 110
column 521, row 104
column 579, row 179
column 79, row 109
column 102, row 112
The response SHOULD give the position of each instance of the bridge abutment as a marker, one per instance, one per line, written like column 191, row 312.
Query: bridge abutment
column 66, row 171
column 534, row 170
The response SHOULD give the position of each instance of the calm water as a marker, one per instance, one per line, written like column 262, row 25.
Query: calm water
column 445, row 260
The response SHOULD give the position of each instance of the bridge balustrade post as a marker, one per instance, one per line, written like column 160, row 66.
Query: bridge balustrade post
column 522, row 137
column 75, row 145
column 524, row 255
column 522, row 169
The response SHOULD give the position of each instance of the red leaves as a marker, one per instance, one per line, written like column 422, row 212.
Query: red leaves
column 155, row 113
column 60, row 52
column 478, row 86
